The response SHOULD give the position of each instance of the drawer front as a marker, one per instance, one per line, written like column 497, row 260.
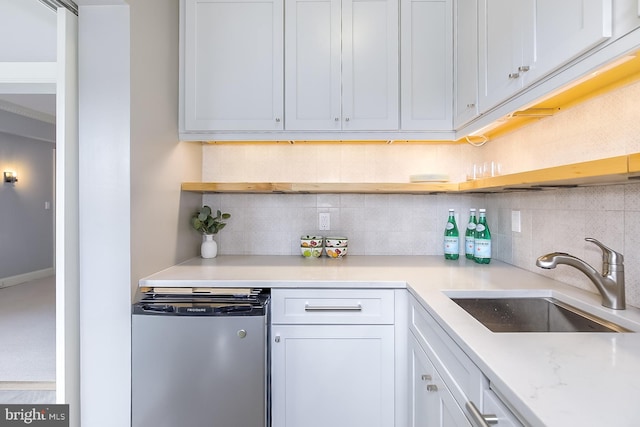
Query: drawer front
column 493, row 405
column 332, row 306
column 464, row 378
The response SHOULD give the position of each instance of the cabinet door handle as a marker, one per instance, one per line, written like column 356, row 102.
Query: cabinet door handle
column 347, row 119
column 471, row 105
column 337, row 119
column 277, row 338
column 277, row 119
column 432, row 387
column 483, row 420
column 523, row 68
column 425, row 377
column 308, row 307
column 514, row 75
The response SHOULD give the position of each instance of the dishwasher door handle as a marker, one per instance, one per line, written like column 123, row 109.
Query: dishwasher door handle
column 357, row 307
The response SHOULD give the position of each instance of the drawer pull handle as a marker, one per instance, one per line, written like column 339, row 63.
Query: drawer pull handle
column 308, row 307
column 432, row 388
column 483, row 420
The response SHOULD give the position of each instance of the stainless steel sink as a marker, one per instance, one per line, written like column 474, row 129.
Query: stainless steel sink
column 533, row 314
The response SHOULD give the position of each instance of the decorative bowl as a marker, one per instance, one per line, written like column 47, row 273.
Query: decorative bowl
column 336, row 242
column 311, row 252
column 335, row 252
column 311, row 241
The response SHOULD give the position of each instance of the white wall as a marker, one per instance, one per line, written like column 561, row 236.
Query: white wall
column 28, row 31
column 134, row 216
column 160, row 212
column 104, row 198
column 26, row 227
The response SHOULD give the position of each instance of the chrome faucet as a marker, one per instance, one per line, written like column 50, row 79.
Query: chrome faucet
column 610, row 282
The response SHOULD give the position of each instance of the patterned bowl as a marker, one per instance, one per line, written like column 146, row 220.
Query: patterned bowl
column 335, row 252
column 311, row 241
column 311, row 252
column 336, row 242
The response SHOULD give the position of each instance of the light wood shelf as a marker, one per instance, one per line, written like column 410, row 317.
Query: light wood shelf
column 604, row 171
column 315, row 188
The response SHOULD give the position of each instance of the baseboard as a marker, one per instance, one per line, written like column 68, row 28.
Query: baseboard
column 27, row 385
column 26, row 277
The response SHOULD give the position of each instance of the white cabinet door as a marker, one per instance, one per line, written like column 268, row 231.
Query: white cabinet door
column 427, row 65
column 522, row 41
column 338, row 376
column 313, row 65
column 370, row 64
column 466, row 62
column 431, row 402
column 233, row 65
column 502, row 33
column 341, row 65
column 565, row 29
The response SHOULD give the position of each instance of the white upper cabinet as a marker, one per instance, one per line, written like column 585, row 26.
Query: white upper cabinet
column 232, row 69
column 341, row 65
column 565, row 29
column 521, row 41
column 427, row 65
column 466, row 61
column 504, row 28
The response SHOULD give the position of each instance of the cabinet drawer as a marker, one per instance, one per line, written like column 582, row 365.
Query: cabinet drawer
column 464, row 378
column 492, row 404
column 332, row 306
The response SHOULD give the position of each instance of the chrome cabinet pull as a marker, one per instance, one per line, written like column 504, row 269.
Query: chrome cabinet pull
column 514, row 75
column 432, row 388
column 308, row 307
column 483, row 420
column 277, row 338
column 277, row 119
column 425, row 377
column 523, row 68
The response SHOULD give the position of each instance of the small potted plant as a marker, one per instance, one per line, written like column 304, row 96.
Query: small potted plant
column 204, row 222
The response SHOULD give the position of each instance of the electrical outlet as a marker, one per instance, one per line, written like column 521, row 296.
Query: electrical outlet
column 516, row 225
column 324, row 221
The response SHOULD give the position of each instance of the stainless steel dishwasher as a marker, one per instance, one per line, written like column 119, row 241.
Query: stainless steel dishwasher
column 200, row 358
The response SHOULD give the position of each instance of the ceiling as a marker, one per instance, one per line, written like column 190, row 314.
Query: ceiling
column 37, row 106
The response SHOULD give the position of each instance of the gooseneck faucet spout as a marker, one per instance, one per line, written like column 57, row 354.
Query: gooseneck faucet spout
column 610, row 283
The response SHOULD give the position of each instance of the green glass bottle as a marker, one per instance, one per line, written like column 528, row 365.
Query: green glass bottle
column 451, row 238
column 482, row 240
column 470, row 235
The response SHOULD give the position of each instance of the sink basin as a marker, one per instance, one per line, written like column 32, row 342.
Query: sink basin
column 533, row 314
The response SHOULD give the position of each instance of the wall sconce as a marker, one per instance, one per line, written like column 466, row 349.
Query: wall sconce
column 10, row 177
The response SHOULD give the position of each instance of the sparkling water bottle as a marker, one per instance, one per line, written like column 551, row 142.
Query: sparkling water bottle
column 451, row 238
column 470, row 235
column 482, row 241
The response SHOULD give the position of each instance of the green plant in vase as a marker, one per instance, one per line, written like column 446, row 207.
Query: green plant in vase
column 204, row 222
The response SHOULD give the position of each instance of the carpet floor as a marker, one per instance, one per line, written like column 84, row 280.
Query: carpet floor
column 28, row 332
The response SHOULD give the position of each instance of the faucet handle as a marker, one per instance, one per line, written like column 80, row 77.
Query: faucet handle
column 609, row 256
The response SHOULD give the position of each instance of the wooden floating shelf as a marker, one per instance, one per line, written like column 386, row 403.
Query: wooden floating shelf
column 604, row 171
column 315, row 188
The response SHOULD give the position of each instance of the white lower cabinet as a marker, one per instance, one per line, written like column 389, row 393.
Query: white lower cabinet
column 432, row 404
column 333, row 358
column 445, row 383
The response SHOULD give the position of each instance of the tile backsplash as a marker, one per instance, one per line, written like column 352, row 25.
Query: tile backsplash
column 388, row 224
column 552, row 220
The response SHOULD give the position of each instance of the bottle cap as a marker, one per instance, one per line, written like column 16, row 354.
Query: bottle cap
column 451, row 210
column 483, row 210
column 472, row 209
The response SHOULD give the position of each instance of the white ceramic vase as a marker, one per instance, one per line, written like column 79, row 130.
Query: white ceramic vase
column 209, row 247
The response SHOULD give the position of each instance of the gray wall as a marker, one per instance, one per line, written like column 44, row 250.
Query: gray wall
column 26, row 227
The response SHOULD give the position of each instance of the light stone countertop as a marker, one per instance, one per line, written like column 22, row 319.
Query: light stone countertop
column 551, row 379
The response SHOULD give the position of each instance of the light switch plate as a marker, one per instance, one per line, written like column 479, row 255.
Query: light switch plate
column 516, row 225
